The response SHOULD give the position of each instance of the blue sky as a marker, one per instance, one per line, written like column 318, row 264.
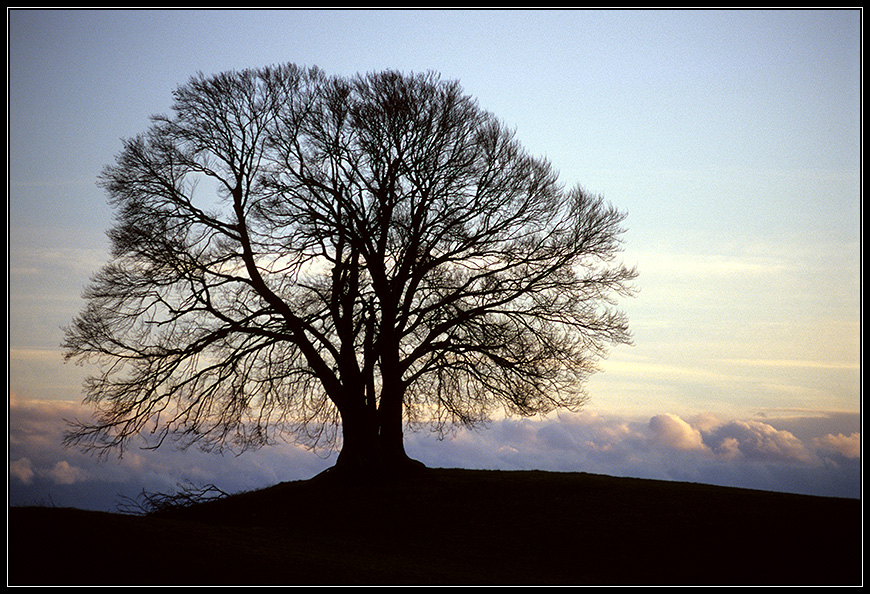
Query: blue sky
column 731, row 138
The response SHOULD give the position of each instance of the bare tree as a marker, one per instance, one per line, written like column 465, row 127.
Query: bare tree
column 333, row 259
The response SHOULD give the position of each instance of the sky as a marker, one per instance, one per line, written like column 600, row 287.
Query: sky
column 731, row 139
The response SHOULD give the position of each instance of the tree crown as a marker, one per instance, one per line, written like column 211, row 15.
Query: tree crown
column 291, row 247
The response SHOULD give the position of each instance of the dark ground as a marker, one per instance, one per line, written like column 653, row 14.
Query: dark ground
column 448, row 527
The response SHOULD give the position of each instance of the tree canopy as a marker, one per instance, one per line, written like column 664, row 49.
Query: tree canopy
column 332, row 259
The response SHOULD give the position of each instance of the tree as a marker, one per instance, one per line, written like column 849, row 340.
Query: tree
column 336, row 259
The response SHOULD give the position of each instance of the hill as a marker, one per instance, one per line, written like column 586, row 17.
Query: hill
column 453, row 527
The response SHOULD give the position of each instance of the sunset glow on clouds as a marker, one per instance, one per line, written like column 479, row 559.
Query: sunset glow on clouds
column 757, row 454
column 730, row 138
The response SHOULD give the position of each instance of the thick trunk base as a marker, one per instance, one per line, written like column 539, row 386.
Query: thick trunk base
column 373, row 447
column 368, row 468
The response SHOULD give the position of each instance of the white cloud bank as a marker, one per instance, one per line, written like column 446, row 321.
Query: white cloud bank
column 744, row 453
column 818, row 455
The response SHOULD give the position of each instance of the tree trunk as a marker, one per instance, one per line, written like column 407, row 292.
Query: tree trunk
column 390, row 424
column 373, row 446
column 360, row 449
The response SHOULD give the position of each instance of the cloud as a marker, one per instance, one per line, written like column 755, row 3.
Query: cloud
column 793, row 363
column 64, row 473
column 22, row 470
column 41, row 469
column 673, row 432
column 755, row 440
column 703, row 448
column 818, row 455
column 848, row 446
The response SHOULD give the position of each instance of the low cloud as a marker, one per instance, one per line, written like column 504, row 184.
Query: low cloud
column 22, row 471
column 755, row 440
column 803, row 455
column 41, row 469
column 671, row 431
column 64, row 473
column 703, row 448
column 847, row 446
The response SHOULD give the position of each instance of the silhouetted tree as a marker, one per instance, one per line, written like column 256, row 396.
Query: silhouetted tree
column 333, row 259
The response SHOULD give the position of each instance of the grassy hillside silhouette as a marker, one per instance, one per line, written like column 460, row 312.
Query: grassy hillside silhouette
column 448, row 526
